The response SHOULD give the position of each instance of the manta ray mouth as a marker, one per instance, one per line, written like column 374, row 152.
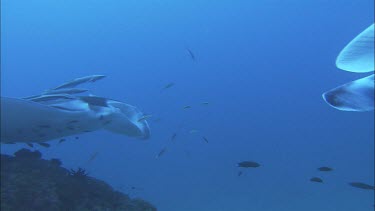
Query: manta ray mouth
column 95, row 101
column 333, row 99
column 340, row 103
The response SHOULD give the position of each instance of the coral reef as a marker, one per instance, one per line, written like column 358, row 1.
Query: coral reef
column 31, row 183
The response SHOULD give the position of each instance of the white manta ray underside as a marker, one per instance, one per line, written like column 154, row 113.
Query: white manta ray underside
column 358, row 57
column 51, row 116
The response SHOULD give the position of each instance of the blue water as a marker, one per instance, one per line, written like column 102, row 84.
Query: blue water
column 261, row 65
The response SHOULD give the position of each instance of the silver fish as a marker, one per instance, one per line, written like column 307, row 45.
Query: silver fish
column 205, row 139
column 161, row 152
column 93, row 157
column 362, row 185
column 173, row 136
column 167, row 86
column 191, row 54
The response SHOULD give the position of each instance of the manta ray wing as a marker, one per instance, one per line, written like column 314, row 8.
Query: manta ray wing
column 358, row 55
column 357, row 95
column 27, row 121
column 58, row 113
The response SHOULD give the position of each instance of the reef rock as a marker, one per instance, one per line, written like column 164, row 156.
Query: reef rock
column 31, row 183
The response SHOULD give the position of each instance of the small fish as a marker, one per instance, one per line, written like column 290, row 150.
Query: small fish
column 248, row 164
column 191, row 54
column 204, row 103
column 362, row 185
column 167, row 86
column 239, row 173
column 144, row 117
column 161, row 152
column 44, row 144
column 76, row 137
column 205, row 139
column 30, row 145
column 324, row 168
column 93, row 157
column 62, row 140
column 316, row 179
column 173, row 136
column 186, row 107
column 193, row 131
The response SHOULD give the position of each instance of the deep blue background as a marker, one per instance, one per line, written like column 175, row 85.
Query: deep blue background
column 261, row 65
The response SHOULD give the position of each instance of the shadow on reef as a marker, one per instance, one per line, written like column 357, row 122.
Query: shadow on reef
column 29, row 182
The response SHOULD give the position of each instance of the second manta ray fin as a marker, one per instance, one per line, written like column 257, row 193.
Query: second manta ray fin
column 357, row 95
column 358, row 55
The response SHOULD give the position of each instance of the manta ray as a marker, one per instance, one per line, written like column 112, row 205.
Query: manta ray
column 357, row 57
column 60, row 112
